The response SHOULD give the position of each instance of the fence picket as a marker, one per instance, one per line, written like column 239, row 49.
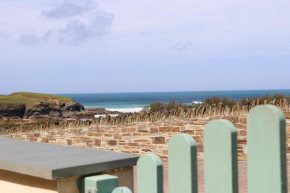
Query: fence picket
column 220, row 157
column 150, row 174
column 182, row 168
column 267, row 164
column 267, row 168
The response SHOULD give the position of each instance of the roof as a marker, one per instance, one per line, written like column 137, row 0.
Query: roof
column 52, row 162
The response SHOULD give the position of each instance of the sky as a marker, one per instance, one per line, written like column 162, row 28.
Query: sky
column 100, row 46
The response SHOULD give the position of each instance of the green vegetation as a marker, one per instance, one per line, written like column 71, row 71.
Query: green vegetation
column 32, row 98
column 223, row 102
column 15, row 124
column 215, row 101
column 159, row 106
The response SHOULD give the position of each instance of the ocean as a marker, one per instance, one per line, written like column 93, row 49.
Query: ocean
column 134, row 102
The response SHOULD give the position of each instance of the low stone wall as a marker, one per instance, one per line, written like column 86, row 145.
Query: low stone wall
column 139, row 138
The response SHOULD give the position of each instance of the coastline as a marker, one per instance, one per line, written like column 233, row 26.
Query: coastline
column 133, row 102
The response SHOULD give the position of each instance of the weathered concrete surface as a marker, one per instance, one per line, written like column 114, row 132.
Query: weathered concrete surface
column 125, row 175
column 12, row 182
column 54, row 162
column 68, row 185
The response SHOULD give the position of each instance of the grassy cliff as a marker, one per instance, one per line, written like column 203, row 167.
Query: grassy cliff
column 28, row 105
column 32, row 98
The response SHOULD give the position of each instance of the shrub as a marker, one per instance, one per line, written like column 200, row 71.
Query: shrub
column 213, row 101
column 157, row 106
column 266, row 98
column 277, row 97
column 171, row 105
column 228, row 102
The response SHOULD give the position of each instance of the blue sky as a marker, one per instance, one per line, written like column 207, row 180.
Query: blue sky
column 88, row 46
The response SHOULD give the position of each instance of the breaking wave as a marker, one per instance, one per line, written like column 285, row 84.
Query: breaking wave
column 126, row 110
column 196, row 102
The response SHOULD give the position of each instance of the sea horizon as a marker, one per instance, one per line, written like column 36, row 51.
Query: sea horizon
column 136, row 101
column 168, row 91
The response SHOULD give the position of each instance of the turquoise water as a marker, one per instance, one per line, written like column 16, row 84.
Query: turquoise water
column 132, row 102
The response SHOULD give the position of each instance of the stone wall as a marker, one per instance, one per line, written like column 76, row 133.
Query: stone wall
column 139, row 138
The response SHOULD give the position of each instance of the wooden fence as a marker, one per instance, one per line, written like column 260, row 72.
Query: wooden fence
column 267, row 172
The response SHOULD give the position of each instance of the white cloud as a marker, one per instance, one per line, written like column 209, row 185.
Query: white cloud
column 29, row 40
column 162, row 28
column 3, row 35
column 182, row 46
column 78, row 21
column 67, row 9
column 76, row 31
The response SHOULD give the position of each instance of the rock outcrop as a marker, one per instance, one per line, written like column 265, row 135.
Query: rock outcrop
column 89, row 113
column 40, row 111
column 12, row 110
column 27, row 105
column 50, row 111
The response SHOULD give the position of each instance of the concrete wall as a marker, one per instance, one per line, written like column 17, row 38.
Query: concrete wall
column 15, row 183
column 125, row 175
column 12, row 182
column 139, row 138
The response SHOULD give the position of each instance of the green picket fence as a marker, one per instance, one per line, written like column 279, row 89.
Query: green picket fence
column 267, row 168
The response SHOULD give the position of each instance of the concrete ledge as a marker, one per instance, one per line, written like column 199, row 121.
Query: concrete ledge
column 52, row 162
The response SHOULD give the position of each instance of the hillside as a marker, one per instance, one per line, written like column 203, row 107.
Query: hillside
column 32, row 98
column 34, row 105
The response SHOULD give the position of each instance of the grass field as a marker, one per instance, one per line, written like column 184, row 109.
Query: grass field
column 31, row 98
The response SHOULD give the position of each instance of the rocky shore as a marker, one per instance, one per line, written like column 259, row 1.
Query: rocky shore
column 33, row 106
column 40, row 110
column 50, row 111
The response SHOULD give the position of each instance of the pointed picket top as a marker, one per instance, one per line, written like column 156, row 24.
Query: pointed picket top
column 182, row 166
column 267, row 168
column 122, row 190
column 150, row 174
column 220, row 157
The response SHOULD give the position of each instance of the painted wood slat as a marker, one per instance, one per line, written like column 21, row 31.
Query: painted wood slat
column 182, row 166
column 220, row 157
column 150, row 174
column 267, row 168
